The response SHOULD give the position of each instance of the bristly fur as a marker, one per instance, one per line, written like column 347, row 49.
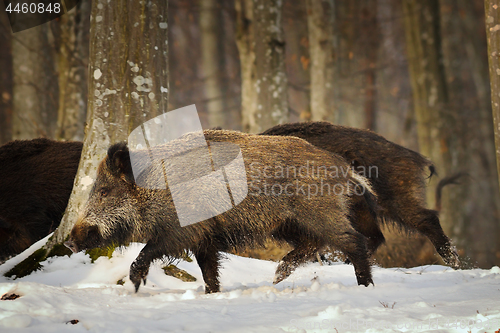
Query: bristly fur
column 121, row 210
column 399, row 181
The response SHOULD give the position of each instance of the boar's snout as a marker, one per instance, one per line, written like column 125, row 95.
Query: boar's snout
column 70, row 244
column 83, row 237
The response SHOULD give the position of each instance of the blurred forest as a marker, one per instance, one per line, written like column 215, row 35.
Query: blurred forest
column 414, row 71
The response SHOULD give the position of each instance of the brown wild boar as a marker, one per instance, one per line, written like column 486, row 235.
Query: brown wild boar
column 290, row 198
column 36, row 182
column 397, row 175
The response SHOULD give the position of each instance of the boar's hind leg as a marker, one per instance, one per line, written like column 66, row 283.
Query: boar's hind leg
column 428, row 224
column 301, row 254
column 353, row 245
column 208, row 258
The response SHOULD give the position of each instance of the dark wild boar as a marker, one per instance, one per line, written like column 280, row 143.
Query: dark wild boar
column 36, row 182
column 280, row 206
column 397, row 175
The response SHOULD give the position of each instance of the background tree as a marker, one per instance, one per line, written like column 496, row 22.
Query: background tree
column 320, row 24
column 212, row 54
column 6, row 81
column 128, row 81
column 261, row 46
column 452, row 129
column 245, row 39
column 36, row 91
column 492, row 28
column 72, row 66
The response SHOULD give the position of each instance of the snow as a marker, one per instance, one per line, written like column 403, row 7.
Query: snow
column 313, row 299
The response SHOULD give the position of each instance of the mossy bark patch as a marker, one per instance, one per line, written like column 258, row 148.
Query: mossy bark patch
column 176, row 272
column 28, row 265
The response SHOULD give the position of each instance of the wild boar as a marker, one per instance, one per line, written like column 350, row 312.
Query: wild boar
column 397, row 175
column 290, row 198
column 36, row 182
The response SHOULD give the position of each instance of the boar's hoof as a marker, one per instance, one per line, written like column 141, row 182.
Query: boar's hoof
column 452, row 259
column 71, row 245
column 138, row 274
column 280, row 275
column 211, row 290
column 365, row 281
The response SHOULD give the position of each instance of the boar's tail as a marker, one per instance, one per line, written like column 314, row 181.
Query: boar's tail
column 371, row 201
column 369, row 194
column 433, row 171
column 453, row 179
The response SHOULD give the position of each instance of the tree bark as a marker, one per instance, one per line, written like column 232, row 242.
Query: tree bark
column 491, row 132
column 493, row 37
column 73, row 45
column 320, row 24
column 212, row 54
column 128, row 85
column 6, row 81
column 447, row 131
column 430, row 94
column 35, row 84
column 245, row 42
column 271, row 79
column 261, row 46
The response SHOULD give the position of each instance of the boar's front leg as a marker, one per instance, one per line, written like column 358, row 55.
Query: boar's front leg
column 140, row 267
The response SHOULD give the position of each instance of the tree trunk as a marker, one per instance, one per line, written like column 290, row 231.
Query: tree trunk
column 5, row 80
column 261, row 47
column 35, row 84
column 493, row 36
column 245, row 41
column 128, row 81
column 370, row 29
column 491, row 131
column 297, row 59
column 320, row 23
column 447, row 132
column 271, row 80
column 430, row 95
column 212, row 54
column 72, row 67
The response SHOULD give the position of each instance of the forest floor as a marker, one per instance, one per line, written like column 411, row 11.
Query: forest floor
column 70, row 294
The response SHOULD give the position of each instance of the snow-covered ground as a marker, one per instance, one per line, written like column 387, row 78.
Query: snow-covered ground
column 313, row 299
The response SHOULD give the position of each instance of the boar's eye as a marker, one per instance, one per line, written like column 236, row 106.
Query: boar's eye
column 104, row 192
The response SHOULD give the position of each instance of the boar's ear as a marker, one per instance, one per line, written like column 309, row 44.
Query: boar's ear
column 118, row 161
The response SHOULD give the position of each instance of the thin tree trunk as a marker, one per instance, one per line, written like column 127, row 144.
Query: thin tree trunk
column 370, row 30
column 72, row 67
column 493, row 37
column 35, row 84
column 297, row 59
column 271, row 81
column 320, row 20
column 6, row 81
column 430, row 95
column 261, row 47
column 212, row 55
column 128, row 81
column 491, row 132
column 245, row 41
